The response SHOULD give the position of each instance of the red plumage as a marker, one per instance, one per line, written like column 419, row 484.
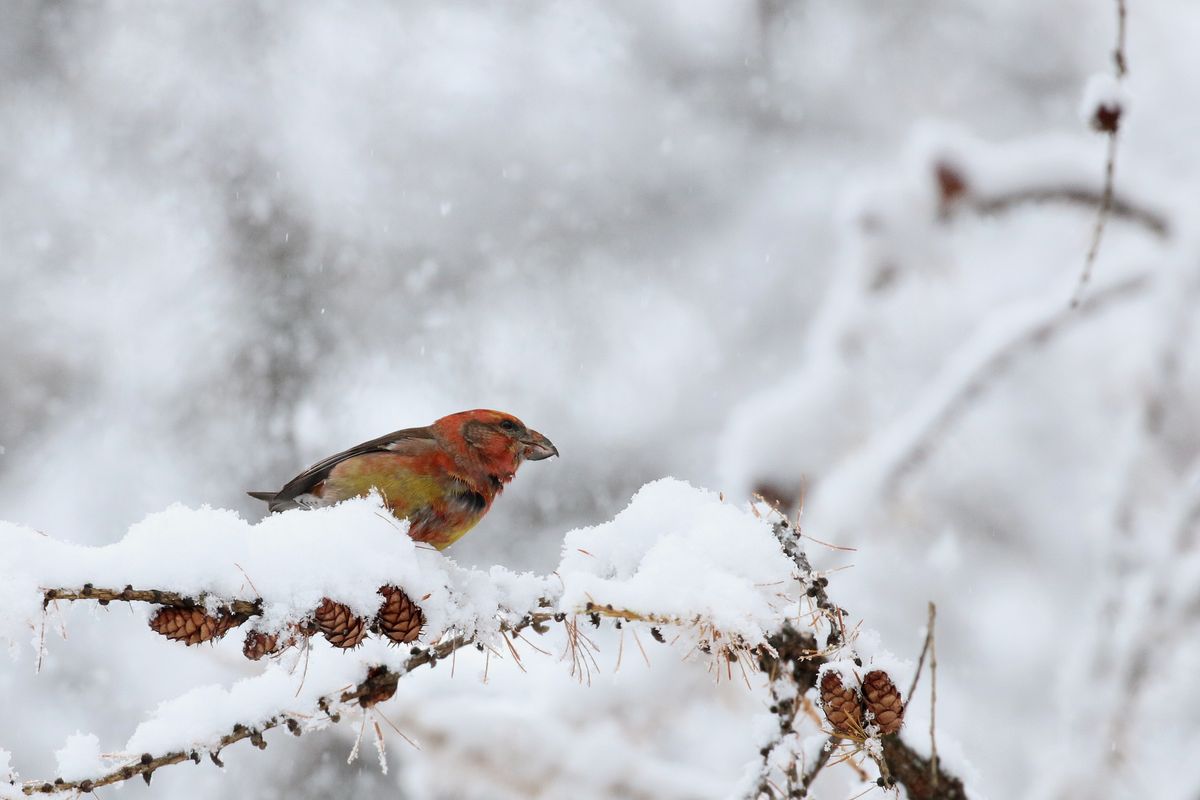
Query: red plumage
column 442, row 478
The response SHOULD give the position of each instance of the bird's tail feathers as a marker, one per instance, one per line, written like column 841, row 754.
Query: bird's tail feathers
column 264, row 496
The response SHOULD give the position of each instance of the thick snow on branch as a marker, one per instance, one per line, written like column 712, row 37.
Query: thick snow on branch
column 288, row 561
column 682, row 553
column 676, row 556
column 675, row 551
column 873, row 471
column 204, row 714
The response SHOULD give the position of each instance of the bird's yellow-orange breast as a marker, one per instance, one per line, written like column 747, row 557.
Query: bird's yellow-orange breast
column 439, row 507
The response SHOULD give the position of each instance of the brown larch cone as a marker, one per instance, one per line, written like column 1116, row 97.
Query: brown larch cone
column 379, row 686
column 841, row 704
column 339, row 624
column 259, row 644
column 399, row 618
column 883, row 700
column 192, row 625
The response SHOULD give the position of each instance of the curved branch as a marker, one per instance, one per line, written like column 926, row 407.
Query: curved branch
column 988, row 355
column 910, row 440
column 1120, row 207
column 378, row 685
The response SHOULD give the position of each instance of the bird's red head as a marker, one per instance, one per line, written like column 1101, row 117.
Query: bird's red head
column 499, row 441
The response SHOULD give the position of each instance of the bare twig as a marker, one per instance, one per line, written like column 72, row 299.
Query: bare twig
column 1106, row 203
column 1118, row 206
column 933, row 757
column 912, row 687
column 1120, row 60
column 1111, row 129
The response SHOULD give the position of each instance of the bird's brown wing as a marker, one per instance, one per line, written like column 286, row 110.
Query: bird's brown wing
column 410, row 441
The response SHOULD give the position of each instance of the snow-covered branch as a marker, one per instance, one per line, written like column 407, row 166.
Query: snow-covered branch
column 863, row 709
column 1121, row 207
column 877, row 469
column 730, row 586
column 377, row 685
column 972, row 177
column 160, row 597
column 725, row 582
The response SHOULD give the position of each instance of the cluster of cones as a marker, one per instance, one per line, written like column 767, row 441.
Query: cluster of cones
column 399, row 620
column 850, row 709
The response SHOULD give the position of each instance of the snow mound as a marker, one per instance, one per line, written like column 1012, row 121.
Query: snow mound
column 681, row 552
column 289, row 561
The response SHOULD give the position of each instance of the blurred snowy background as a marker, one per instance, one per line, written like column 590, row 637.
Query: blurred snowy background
column 701, row 239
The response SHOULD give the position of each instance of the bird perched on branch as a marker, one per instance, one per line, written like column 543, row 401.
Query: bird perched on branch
column 442, row 478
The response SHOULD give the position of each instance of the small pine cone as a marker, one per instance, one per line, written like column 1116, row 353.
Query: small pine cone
column 379, row 686
column 259, row 644
column 883, row 700
column 841, row 704
column 339, row 624
column 192, row 625
column 399, row 618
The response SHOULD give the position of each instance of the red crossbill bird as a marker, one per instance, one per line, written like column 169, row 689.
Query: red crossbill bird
column 442, row 478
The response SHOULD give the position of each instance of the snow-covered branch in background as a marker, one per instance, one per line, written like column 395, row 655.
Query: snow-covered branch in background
column 727, row 586
column 924, row 363
column 974, row 177
column 1148, row 565
column 946, row 175
column 878, row 469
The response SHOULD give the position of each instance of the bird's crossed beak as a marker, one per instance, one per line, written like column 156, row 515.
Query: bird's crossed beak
column 535, row 447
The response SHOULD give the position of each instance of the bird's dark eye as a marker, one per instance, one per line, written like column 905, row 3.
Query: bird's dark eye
column 508, row 425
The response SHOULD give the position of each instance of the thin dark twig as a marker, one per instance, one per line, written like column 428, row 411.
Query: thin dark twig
column 930, row 648
column 912, row 687
column 1120, row 60
column 1121, row 67
column 1106, row 204
column 1119, row 207
column 933, row 758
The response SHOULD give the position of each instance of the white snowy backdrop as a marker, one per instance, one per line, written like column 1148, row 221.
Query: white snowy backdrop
column 698, row 239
